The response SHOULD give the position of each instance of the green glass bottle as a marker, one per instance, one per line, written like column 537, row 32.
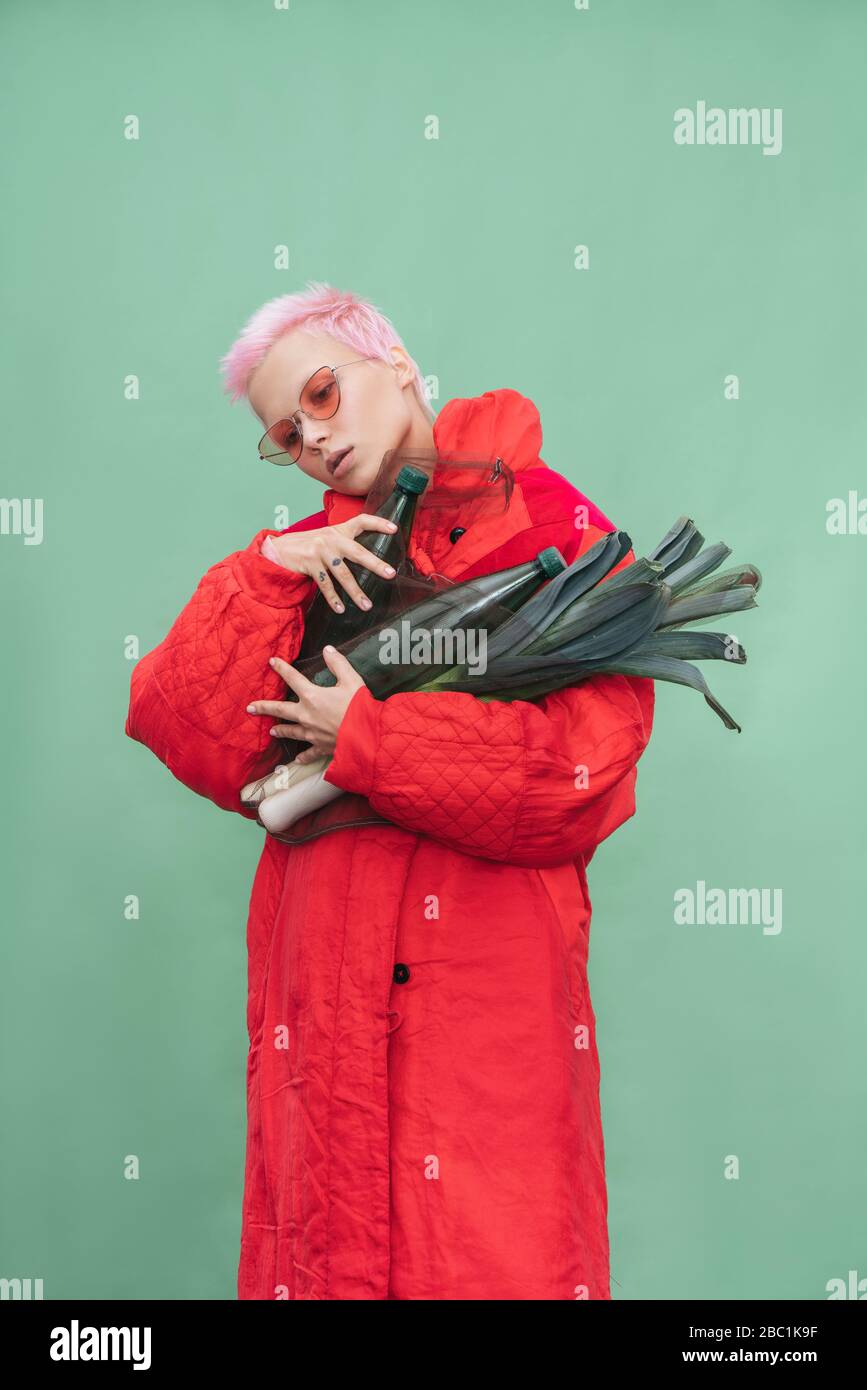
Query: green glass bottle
column 322, row 623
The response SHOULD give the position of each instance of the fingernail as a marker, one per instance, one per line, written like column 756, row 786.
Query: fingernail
column 365, row 603
column 251, row 709
column 389, row 569
column 328, row 648
column 339, row 607
column 270, row 661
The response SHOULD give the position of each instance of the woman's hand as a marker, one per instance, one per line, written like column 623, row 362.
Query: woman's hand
column 318, row 713
column 324, row 552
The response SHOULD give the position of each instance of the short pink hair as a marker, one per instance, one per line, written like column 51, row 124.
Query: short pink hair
column 320, row 308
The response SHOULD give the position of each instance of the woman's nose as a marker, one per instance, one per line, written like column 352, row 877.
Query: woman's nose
column 312, row 431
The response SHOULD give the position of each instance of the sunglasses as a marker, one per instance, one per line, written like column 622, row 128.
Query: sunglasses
column 283, row 442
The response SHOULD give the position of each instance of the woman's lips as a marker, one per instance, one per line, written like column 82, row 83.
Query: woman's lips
column 343, row 465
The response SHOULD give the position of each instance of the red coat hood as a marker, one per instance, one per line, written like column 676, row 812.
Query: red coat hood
column 498, row 424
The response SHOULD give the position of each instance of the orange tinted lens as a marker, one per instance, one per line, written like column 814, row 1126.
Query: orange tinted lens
column 321, row 395
column 282, row 438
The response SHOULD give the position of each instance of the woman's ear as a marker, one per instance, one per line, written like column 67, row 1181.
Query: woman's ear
column 400, row 361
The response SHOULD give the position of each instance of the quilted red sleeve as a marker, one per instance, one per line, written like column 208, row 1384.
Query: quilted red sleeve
column 533, row 783
column 188, row 696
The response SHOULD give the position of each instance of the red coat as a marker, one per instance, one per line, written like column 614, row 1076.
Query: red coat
column 431, row 1132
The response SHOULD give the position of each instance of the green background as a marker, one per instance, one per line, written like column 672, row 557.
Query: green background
column 306, row 127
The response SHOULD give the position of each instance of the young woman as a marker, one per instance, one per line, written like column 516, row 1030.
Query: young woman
column 422, row 1078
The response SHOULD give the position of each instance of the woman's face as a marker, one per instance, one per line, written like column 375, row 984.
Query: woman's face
column 378, row 408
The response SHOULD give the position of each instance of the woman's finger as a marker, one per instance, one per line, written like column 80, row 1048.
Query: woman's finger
column 294, row 679
column 326, row 585
column 371, row 561
column 277, row 709
column 318, row 570
column 340, row 666
column 344, row 576
column 340, row 572
column 367, row 521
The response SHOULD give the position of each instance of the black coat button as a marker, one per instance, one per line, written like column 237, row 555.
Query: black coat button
column 401, row 974
column 456, row 534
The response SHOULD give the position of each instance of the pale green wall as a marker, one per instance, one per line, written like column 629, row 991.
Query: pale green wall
column 306, row 127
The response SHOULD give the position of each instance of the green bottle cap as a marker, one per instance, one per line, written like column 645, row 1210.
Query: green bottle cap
column 411, row 479
column 551, row 561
